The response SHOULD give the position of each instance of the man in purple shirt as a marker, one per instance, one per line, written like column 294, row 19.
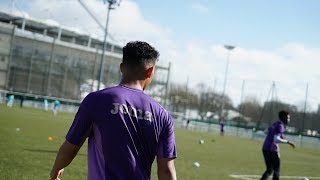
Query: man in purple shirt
column 270, row 147
column 126, row 129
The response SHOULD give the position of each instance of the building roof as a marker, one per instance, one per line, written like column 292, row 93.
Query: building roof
column 52, row 28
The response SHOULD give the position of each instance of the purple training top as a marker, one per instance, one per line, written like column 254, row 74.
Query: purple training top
column 126, row 130
column 269, row 144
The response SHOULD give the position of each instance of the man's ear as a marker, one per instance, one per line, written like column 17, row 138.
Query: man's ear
column 149, row 72
column 121, row 67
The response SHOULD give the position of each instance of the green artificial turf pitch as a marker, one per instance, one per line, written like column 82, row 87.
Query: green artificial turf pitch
column 28, row 154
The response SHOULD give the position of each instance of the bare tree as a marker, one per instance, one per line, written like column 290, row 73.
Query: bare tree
column 251, row 108
column 210, row 101
column 181, row 99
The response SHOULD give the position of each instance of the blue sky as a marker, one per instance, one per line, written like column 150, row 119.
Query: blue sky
column 276, row 40
column 249, row 23
column 246, row 23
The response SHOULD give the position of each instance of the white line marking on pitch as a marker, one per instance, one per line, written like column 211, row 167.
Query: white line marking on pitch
column 253, row 177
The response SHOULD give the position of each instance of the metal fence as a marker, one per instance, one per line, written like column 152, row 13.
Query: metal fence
column 300, row 141
column 256, row 103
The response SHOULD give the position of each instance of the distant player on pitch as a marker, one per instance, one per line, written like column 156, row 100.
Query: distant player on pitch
column 222, row 123
column 45, row 104
column 10, row 101
column 271, row 148
column 56, row 105
column 126, row 129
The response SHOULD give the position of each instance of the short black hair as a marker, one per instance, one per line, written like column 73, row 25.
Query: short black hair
column 139, row 53
column 283, row 116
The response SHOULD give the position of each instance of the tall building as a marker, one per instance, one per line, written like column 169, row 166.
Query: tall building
column 42, row 59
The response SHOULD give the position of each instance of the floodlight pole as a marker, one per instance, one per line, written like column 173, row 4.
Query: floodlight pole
column 229, row 48
column 101, row 69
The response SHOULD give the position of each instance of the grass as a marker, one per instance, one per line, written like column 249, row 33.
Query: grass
column 28, row 154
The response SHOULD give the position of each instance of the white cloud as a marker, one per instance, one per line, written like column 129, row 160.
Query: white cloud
column 292, row 66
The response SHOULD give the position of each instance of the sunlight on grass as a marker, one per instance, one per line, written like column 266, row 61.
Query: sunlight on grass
column 26, row 153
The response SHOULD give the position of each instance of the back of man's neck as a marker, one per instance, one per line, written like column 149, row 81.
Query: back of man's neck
column 132, row 84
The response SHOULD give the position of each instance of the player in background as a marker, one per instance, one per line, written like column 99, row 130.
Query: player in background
column 45, row 104
column 270, row 147
column 126, row 128
column 56, row 105
column 10, row 100
column 188, row 122
column 222, row 123
column 22, row 98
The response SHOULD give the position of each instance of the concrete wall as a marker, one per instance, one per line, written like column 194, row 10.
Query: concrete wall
column 5, row 45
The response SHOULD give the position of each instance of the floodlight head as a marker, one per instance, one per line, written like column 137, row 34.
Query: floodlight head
column 112, row 2
column 229, row 47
